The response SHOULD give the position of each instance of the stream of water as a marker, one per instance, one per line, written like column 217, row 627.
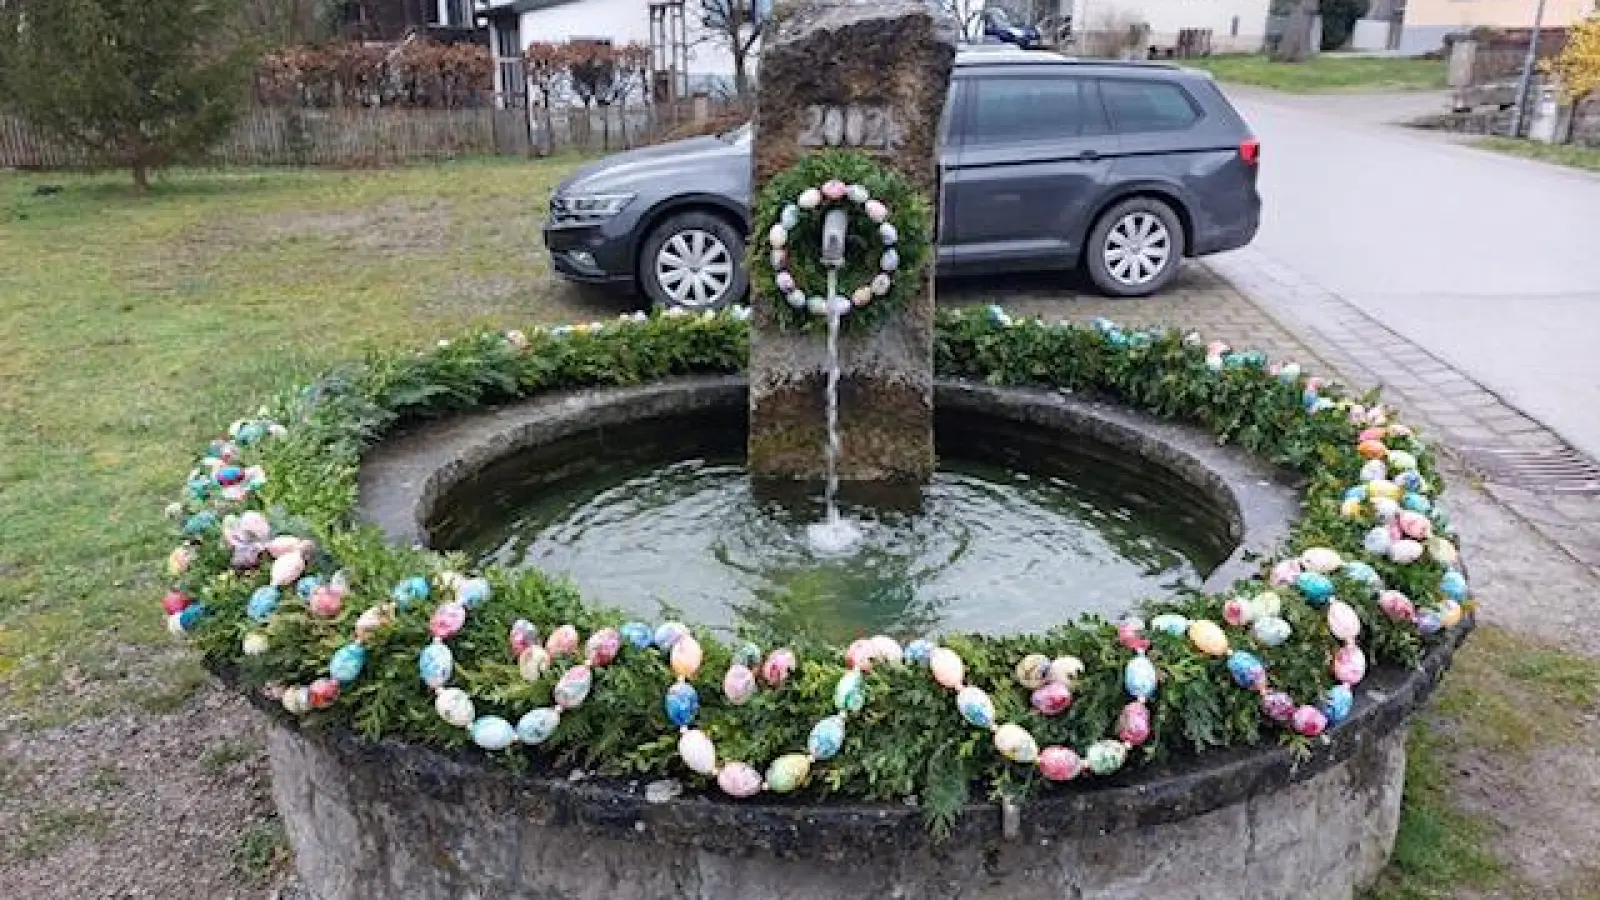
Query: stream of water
column 834, row 535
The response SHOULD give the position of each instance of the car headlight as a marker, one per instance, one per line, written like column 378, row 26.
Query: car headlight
column 592, row 206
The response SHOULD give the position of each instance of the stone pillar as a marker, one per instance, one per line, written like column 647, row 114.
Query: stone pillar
column 825, row 63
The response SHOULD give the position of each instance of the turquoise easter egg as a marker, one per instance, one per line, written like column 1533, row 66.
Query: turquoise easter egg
column 1417, row 503
column 191, row 616
column 1363, row 574
column 347, row 663
column 1315, row 587
column 538, row 726
column 306, row 586
column 436, row 663
column 492, row 733
column 1453, row 584
column 199, row 523
column 827, row 736
column 682, row 704
column 849, row 695
column 748, row 655
column 976, row 707
column 263, row 603
column 1170, row 623
column 1139, row 678
column 410, row 592
column 1105, row 757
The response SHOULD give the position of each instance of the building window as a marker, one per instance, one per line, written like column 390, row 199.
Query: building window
column 513, row 84
column 458, row 13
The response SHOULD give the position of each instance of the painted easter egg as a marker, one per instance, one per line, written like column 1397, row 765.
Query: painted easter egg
column 1271, row 631
column 1373, row 434
column 638, row 634
column 454, row 706
column 1065, row 670
column 1417, row 503
column 849, row 695
column 1351, row 509
column 1396, row 606
column 447, row 620
column 686, row 656
column 1321, row 560
column 919, row 651
column 1450, row 614
column 533, row 663
column 859, row 655
column 563, row 641
column 1246, row 670
column 835, row 190
column 1238, row 612
column 1453, row 584
column 1133, row 724
column 473, row 592
column 1372, row 450
column 697, row 752
column 1362, row 574
column 1308, row 721
column 1171, row 624
column 826, row 737
column 1208, row 638
column 1059, row 763
column 888, row 649
column 859, row 194
column 190, row 617
column 602, row 647
column 1130, row 634
column 1278, row 706
column 1405, row 551
column 435, row 664
column 1384, row 490
column 947, row 667
column 179, row 560
column 296, row 701
column 1015, row 743
column 1374, row 470
column 778, row 237
column 1343, row 623
column 538, row 726
column 1139, row 678
column 1051, row 699
column 1106, row 757
column 372, row 620
column 523, row 635
column 286, row 569
column 1442, row 551
column 323, row 693
column 1284, row 573
column 788, row 773
column 1356, row 492
column 1033, row 670
column 739, row 780
column 263, row 603
column 307, row 586
column 1267, row 603
column 1337, row 703
column 1415, row 525
column 682, row 704
column 573, row 688
column 976, row 707
column 255, row 644
column 790, row 217
column 410, row 592
column 1377, row 541
column 780, row 664
column 1385, row 509
column 1428, row 622
column 668, row 634
column 493, row 733
column 1412, row 480
column 1349, row 664
column 1402, row 461
column 739, row 684
column 1315, row 587
column 747, row 654
column 347, row 663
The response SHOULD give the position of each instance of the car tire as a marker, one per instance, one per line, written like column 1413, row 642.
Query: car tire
column 1135, row 248
column 694, row 260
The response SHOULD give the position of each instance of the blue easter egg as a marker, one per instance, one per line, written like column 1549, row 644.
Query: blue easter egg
column 747, row 654
column 668, row 634
column 229, row 475
column 1315, row 586
column 1361, row 573
column 1117, row 338
column 199, row 523
column 1139, row 678
column 1246, row 669
column 1453, row 584
column 347, row 663
column 263, row 603
column 638, row 634
column 411, row 591
column 976, row 707
column 250, row 432
column 199, row 488
column 1235, row 360
column 492, row 733
column 1357, row 493
column 1428, row 622
column 435, row 664
column 1170, row 623
column 306, row 585
column 538, row 726
column 1417, row 503
column 473, row 592
column 682, row 704
column 827, row 736
column 1337, row 703
column 191, row 616
column 919, row 651
column 1411, row 480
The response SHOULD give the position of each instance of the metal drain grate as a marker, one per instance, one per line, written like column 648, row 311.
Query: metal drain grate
column 1557, row 469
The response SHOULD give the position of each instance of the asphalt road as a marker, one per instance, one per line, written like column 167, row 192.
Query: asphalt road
column 1491, row 263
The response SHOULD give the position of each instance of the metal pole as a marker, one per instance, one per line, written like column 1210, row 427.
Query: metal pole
column 1526, row 83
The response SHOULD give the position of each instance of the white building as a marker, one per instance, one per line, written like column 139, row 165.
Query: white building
column 1237, row 26
column 515, row 24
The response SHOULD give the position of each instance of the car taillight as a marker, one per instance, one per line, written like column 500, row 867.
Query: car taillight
column 1250, row 151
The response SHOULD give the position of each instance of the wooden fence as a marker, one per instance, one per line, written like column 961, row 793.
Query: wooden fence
column 387, row 136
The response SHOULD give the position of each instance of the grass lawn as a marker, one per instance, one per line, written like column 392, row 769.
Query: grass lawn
column 1327, row 73
column 132, row 328
column 1560, row 154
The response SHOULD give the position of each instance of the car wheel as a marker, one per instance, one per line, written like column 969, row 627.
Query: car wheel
column 695, row 261
column 1135, row 248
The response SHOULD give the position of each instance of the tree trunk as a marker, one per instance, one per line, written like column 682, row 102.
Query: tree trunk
column 1295, row 45
column 141, row 178
column 741, row 78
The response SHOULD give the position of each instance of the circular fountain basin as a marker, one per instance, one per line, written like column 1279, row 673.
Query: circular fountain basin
column 405, row 820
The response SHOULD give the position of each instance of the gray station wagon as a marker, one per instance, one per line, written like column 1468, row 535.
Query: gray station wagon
column 1046, row 163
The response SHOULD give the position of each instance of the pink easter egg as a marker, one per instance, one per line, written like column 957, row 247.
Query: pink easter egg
column 739, row 685
column 780, row 664
column 1059, row 763
column 1349, row 664
column 1397, row 606
column 835, row 190
column 859, row 655
column 1309, row 721
column 562, row 642
column 1133, row 725
column 1278, row 706
column 1051, row 699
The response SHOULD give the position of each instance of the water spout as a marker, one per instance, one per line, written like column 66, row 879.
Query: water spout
column 835, row 535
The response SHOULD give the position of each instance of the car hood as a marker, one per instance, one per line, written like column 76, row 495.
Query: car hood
column 663, row 163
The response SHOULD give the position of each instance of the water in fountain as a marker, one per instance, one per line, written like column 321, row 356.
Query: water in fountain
column 834, row 535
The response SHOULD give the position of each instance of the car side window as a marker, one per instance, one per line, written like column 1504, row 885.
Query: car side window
column 1138, row 107
column 1022, row 108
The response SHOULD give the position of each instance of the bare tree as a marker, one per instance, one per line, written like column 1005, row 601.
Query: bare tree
column 1295, row 44
column 738, row 25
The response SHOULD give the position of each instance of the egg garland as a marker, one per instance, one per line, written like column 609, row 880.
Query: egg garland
column 344, row 667
column 886, row 247
column 1241, row 638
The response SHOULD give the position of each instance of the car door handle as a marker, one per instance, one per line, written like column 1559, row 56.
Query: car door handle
column 1089, row 155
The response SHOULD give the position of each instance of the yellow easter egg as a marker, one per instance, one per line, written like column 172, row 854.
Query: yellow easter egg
column 1208, row 638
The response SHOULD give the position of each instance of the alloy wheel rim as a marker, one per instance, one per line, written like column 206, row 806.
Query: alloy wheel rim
column 694, row 268
column 1137, row 249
